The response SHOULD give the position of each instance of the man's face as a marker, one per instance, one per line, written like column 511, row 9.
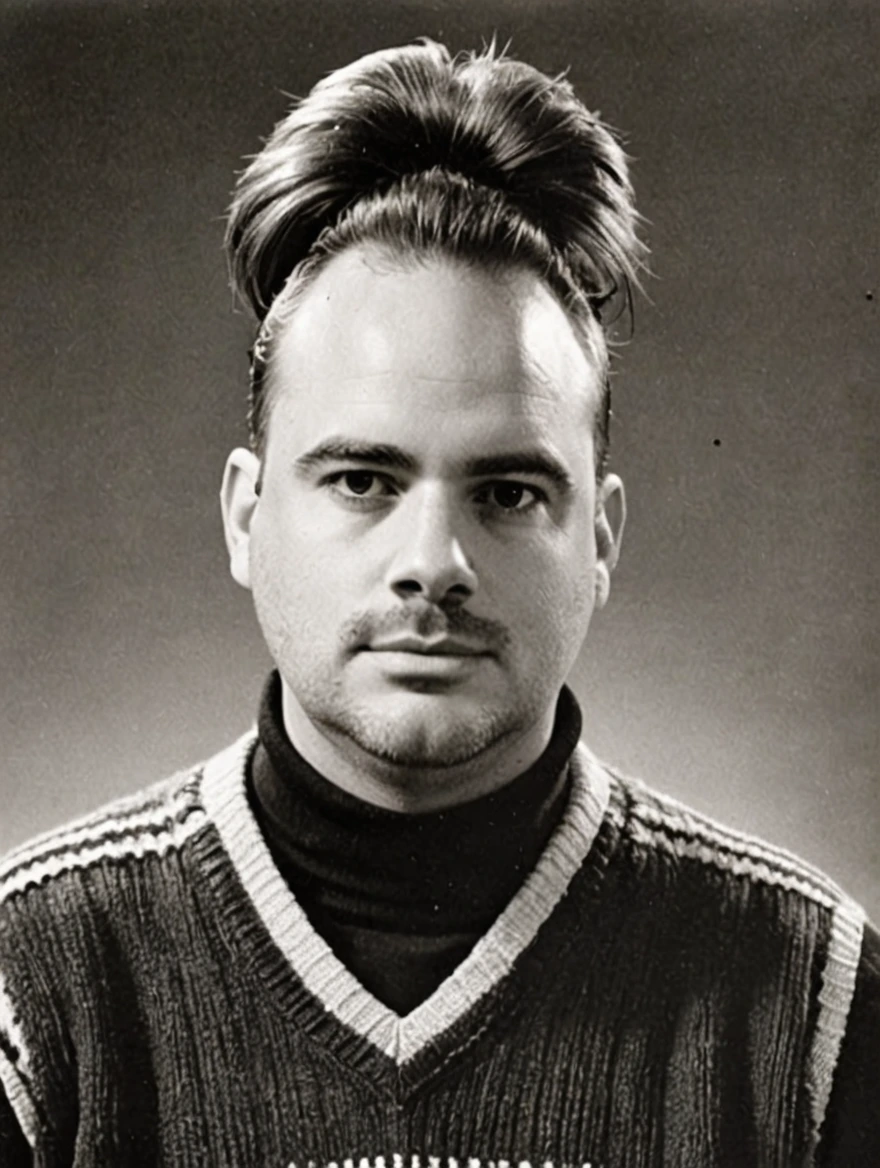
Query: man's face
column 429, row 541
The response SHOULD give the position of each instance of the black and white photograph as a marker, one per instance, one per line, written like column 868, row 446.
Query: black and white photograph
column 439, row 615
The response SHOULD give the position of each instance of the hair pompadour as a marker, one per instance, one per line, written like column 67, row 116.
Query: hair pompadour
column 477, row 155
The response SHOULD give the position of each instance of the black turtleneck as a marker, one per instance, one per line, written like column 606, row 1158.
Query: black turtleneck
column 402, row 898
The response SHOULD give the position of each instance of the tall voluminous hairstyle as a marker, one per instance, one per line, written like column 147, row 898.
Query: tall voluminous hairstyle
column 477, row 157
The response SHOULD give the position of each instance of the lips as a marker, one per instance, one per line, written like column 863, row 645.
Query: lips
column 434, row 647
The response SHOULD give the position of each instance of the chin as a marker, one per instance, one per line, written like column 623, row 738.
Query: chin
column 424, row 731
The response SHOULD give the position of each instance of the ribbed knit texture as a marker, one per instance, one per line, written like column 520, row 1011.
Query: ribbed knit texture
column 659, row 992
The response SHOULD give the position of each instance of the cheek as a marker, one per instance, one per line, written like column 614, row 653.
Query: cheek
column 284, row 572
column 304, row 582
column 548, row 594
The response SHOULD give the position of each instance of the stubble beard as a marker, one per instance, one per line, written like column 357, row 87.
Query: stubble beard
column 418, row 733
column 414, row 731
column 410, row 733
column 412, row 740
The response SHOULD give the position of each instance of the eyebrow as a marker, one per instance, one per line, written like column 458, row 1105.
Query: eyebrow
column 531, row 462
column 347, row 450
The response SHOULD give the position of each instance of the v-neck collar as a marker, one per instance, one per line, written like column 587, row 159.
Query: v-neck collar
column 397, row 1041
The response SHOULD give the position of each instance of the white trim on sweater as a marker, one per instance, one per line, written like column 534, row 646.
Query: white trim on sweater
column 835, row 1000
column 658, row 821
column 165, row 816
column 154, row 832
column 321, row 971
column 12, row 1074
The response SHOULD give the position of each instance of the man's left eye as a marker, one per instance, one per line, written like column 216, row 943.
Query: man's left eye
column 511, row 496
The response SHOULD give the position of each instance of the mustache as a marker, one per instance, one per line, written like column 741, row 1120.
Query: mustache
column 425, row 621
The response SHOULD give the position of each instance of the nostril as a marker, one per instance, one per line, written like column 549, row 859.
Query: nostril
column 409, row 587
column 460, row 590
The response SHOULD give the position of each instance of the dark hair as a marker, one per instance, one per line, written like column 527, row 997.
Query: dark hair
column 478, row 157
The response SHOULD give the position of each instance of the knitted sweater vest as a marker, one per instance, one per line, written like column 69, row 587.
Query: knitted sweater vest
column 659, row 992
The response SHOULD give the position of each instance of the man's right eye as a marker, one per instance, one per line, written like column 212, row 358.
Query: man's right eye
column 359, row 484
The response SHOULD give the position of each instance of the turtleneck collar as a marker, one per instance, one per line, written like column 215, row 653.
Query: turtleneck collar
column 449, row 871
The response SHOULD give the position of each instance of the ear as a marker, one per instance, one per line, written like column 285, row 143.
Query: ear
column 238, row 502
column 610, row 518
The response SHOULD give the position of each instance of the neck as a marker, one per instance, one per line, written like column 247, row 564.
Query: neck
column 414, row 790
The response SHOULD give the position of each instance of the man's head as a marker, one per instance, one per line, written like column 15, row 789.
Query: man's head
column 425, row 518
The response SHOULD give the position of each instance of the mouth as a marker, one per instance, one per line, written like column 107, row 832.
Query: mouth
column 428, row 647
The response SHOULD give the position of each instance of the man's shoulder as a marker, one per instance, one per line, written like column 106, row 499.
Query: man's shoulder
column 659, row 823
column 151, row 822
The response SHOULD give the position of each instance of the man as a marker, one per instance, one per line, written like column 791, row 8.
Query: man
column 410, row 920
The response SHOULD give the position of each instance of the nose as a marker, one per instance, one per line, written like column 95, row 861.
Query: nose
column 430, row 562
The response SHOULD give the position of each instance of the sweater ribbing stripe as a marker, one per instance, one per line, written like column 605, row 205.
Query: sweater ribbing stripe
column 401, row 1039
column 225, row 800
column 127, row 815
column 681, row 833
column 414, row 1160
column 689, row 832
column 13, row 1075
column 493, row 956
column 758, row 863
column 146, row 838
column 9, row 1025
column 20, row 1100
column 835, row 999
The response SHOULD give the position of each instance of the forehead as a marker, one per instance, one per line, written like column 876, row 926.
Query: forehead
column 373, row 344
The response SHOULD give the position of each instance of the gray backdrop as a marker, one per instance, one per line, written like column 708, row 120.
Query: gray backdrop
column 736, row 665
